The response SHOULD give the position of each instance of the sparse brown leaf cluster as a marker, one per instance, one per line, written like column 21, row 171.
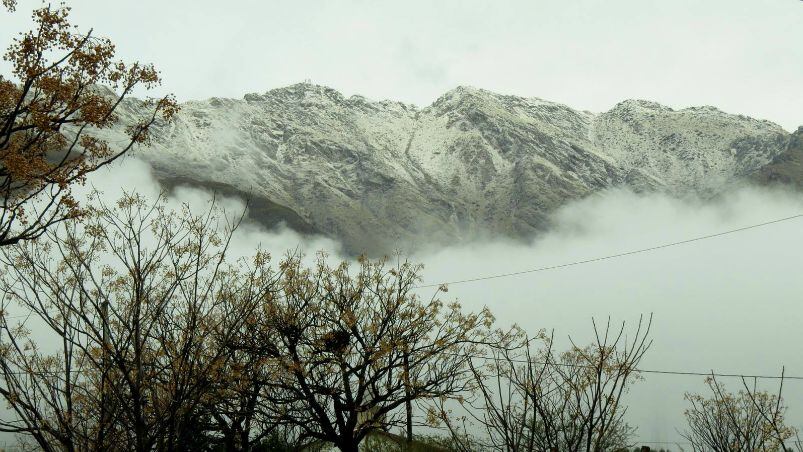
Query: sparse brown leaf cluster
column 748, row 420
column 63, row 86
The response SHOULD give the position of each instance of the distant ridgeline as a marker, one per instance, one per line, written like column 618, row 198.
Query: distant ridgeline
column 378, row 175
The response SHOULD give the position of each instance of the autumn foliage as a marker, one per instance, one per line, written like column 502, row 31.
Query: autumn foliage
column 63, row 86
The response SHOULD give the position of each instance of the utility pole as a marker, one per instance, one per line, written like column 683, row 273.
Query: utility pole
column 408, row 405
column 102, row 428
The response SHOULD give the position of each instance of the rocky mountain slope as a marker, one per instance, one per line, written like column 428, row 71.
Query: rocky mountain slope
column 381, row 174
column 785, row 168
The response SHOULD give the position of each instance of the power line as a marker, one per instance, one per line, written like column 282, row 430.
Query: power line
column 611, row 256
column 643, row 371
column 14, row 316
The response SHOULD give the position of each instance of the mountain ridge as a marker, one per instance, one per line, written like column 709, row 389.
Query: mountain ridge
column 382, row 174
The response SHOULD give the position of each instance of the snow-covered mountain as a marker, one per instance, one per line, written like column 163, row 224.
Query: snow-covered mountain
column 381, row 174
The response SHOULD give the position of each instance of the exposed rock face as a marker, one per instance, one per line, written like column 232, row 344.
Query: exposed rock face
column 380, row 175
column 785, row 168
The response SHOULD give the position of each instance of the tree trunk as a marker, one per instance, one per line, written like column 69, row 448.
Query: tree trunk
column 349, row 447
column 407, row 403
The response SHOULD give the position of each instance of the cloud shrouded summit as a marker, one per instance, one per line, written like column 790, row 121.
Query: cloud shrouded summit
column 382, row 174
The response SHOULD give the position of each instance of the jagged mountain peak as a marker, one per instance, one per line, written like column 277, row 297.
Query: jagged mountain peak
column 464, row 90
column 299, row 92
column 312, row 96
column 470, row 95
column 640, row 105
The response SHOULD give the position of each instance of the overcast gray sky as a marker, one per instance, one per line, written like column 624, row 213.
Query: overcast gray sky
column 734, row 301
column 743, row 56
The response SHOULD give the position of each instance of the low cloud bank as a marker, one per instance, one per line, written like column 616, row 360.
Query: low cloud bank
column 136, row 176
column 730, row 304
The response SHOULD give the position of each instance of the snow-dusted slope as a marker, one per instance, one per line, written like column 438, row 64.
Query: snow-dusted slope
column 694, row 149
column 378, row 175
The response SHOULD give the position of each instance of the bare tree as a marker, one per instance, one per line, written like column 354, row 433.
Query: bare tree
column 788, row 437
column 530, row 399
column 140, row 301
column 750, row 420
column 347, row 352
column 63, row 87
